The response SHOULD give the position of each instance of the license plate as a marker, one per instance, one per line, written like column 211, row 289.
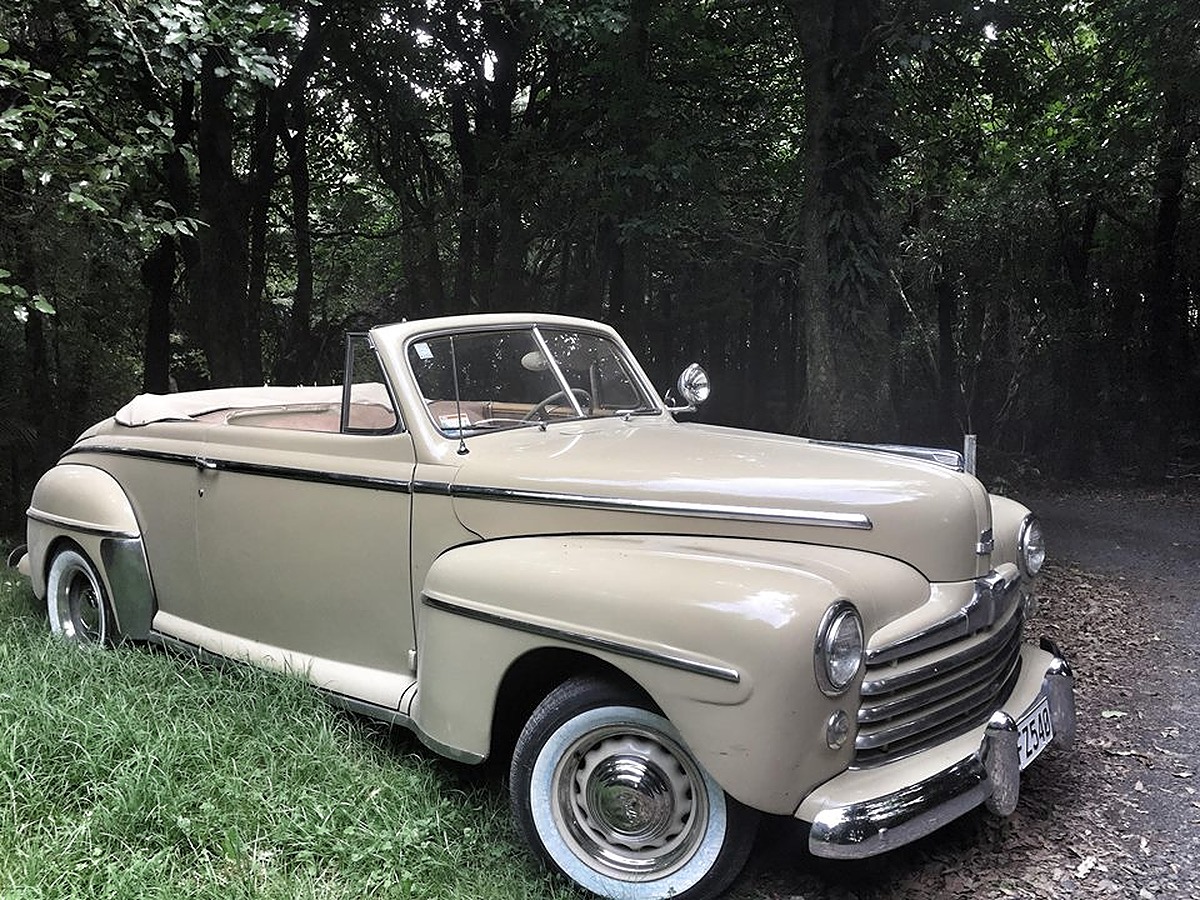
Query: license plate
column 1035, row 730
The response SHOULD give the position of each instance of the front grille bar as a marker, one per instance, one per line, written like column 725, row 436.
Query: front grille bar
column 865, row 759
column 886, row 684
column 961, row 704
column 930, row 693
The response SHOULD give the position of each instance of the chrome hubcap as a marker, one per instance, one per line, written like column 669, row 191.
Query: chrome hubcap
column 79, row 611
column 630, row 802
column 629, row 798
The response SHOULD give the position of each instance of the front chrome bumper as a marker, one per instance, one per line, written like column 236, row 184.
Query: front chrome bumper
column 875, row 821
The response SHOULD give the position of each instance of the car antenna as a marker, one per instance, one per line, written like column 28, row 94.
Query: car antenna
column 462, row 441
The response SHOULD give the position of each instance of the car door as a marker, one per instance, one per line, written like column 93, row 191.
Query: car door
column 303, row 541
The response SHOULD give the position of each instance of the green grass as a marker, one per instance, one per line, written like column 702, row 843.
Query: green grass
column 132, row 773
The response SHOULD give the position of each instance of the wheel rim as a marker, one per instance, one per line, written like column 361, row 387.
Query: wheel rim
column 629, row 801
column 80, row 607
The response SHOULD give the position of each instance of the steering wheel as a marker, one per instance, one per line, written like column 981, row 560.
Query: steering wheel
column 540, row 409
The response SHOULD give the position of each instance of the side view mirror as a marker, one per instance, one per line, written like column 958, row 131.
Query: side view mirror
column 693, row 387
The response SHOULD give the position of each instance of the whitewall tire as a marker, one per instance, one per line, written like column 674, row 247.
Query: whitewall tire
column 75, row 600
column 605, row 790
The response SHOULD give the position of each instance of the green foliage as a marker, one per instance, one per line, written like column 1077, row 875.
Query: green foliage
column 988, row 201
column 168, row 41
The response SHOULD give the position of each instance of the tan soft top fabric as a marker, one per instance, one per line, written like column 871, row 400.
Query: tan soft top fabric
column 146, row 408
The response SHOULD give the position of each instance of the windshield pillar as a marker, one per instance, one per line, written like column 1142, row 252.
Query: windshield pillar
column 558, row 373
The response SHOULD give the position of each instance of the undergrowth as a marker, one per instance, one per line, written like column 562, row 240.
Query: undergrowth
column 133, row 773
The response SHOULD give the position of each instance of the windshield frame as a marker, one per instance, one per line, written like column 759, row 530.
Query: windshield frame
column 651, row 402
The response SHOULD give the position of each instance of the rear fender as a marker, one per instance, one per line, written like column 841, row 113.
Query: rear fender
column 718, row 632
column 87, row 507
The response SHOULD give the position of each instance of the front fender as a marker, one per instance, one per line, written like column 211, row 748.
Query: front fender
column 719, row 632
column 87, row 506
column 1007, row 516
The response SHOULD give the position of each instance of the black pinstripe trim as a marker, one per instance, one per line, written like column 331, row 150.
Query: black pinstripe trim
column 696, row 667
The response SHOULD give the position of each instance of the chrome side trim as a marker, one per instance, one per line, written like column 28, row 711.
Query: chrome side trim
column 184, row 459
column 440, row 488
column 993, row 599
column 77, row 525
column 185, row 648
column 990, row 775
column 312, row 476
column 592, row 642
column 652, row 507
column 132, row 592
column 951, row 459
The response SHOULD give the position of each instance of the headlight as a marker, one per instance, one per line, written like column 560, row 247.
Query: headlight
column 839, row 647
column 1031, row 546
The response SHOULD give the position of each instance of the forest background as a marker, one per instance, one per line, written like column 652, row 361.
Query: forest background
column 899, row 220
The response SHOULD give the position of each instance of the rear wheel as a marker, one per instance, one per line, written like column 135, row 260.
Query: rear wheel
column 604, row 790
column 75, row 600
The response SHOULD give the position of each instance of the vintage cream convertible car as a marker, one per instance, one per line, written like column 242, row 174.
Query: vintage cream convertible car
column 495, row 534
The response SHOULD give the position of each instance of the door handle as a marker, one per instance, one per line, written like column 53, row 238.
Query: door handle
column 205, row 464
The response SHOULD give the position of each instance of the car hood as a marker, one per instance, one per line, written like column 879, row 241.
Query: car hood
column 648, row 476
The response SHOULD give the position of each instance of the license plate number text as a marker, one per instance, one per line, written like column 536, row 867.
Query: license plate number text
column 1034, row 732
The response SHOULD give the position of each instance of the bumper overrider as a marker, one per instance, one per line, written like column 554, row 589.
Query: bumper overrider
column 865, row 812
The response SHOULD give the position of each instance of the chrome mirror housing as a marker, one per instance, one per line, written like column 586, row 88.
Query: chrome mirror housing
column 693, row 387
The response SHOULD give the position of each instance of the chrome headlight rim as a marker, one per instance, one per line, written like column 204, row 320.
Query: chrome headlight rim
column 834, row 677
column 1031, row 546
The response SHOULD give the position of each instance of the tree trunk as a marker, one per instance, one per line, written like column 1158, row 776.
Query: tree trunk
column 258, row 194
column 842, row 288
column 159, row 268
column 953, row 423
column 298, row 357
column 158, row 276
column 468, row 210
column 218, row 279
column 629, row 276
column 1166, row 307
column 507, row 38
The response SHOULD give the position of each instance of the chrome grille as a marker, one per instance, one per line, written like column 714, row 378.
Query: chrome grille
column 912, row 702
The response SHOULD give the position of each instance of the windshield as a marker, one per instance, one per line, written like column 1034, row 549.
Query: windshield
column 507, row 378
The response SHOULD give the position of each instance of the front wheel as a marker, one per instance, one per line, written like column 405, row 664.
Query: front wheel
column 75, row 600
column 604, row 790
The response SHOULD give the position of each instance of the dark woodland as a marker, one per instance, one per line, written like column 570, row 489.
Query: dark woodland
column 897, row 220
